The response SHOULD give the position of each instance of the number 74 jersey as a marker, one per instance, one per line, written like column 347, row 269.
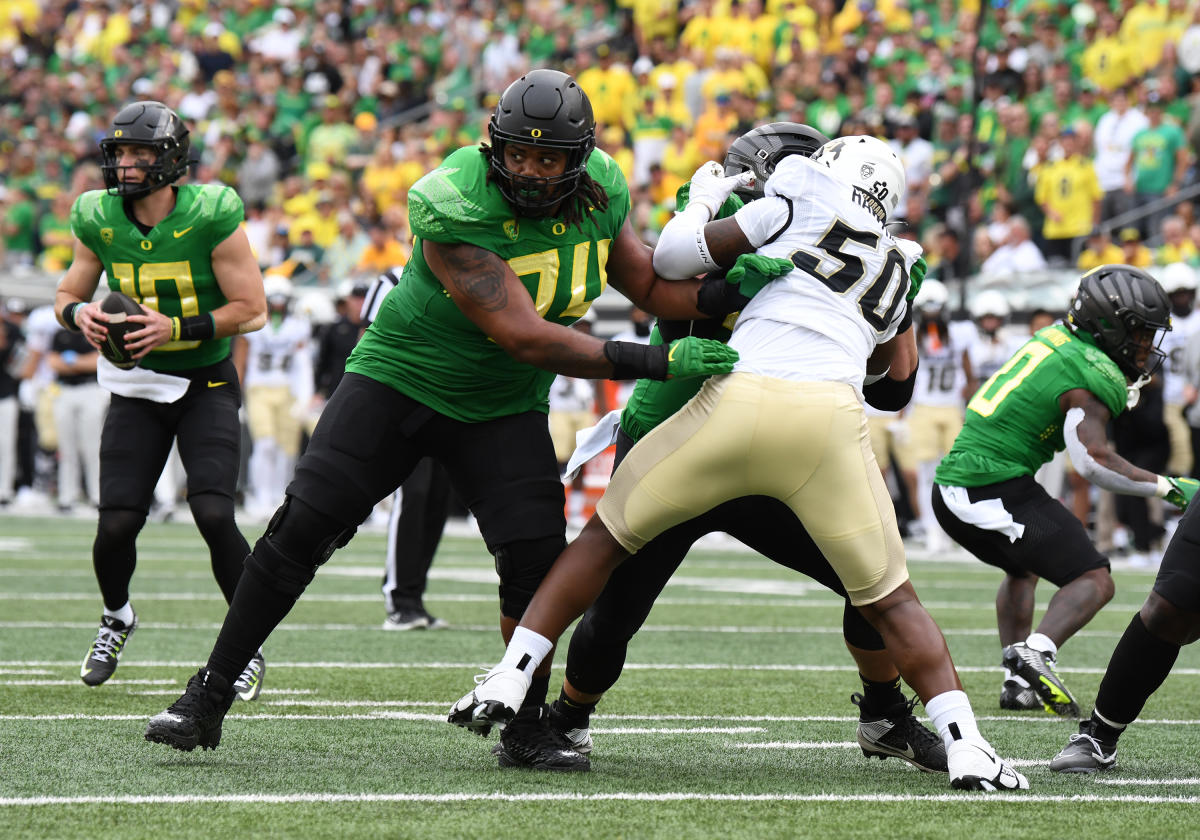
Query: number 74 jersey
column 1014, row 421
column 168, row 269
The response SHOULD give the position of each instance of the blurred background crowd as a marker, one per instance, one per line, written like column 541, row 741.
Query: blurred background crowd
column 1039, row 137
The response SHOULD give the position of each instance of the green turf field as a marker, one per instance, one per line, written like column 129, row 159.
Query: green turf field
column 732, row 720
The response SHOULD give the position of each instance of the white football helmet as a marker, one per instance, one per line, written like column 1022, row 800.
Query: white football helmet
column 869, row 164
column 933, row 296
column 278, row 290
column 990, row 302
column 1178, row 277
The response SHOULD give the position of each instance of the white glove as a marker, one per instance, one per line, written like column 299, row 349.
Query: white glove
column 974, row 765
column 710, row 188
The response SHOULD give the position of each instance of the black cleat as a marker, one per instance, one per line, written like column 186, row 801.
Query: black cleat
column 1085, row 753
column 1038, row 669
column 1019, row 698
column 898, row 734
column 105, row 652
column 194, row 720
column 529, row 741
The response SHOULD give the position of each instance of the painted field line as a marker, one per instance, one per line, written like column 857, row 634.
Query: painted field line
column 797, row 745
column 475, row 666
column 75, row 682
column 1147, row 782
column 439, row 798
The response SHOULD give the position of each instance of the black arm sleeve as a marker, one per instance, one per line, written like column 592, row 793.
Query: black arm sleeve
column 631, row 360
column 717, row 298
column 889, row 394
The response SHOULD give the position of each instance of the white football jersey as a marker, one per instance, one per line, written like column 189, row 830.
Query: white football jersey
column 275, row 350
column 989, row 353
column 1174, row 344
column 845, row 296
column 941, row 377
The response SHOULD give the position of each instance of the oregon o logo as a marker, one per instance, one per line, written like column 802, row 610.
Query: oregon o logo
column 146, row 244
column 537, row 132
column 559, row 228
column 118, row 133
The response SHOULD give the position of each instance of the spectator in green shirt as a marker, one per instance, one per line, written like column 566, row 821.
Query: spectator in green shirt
column 1157, row 161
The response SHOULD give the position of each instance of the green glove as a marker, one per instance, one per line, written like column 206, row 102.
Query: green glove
column 1182, row 491
column 693, row 356
column 916, row 277
column 753, row 271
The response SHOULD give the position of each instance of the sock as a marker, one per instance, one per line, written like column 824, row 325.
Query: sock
column 879, row 697
column 1138, row 666
column 1104, row 730
column 951, row 714
column 535, row 697
column 1042, row 644
column 577, row 714
column 526, row 650
column 123, row 615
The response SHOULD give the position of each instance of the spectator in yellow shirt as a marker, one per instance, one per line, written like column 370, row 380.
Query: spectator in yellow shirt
column 384, row 252
column 713, row 128
column 1136, row 254
column 1069, row 193
column 1176, row 245
column 1100, row 250
column 1109, row 61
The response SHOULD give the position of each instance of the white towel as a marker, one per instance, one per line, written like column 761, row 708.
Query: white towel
column 140, row 383
column 591, row 442
column 989, row 514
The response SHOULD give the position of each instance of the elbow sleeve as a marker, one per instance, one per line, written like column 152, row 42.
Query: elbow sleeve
column 889, row 394
column 682, row 252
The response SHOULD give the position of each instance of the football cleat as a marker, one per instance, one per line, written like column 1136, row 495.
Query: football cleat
column 412, row 618
column 1038, row 669
column 1085, row 753
column 249, row 684
column 897, row 733
column 974, row 765
column 105, row 652
column 194, row 720
column 579, row 737
column 497, row 696
column 1017, row 697
column 530, row 741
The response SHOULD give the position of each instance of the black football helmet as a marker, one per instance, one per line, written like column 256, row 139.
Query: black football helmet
column 760, row 150
column 542, row 108
column 1116, row 302
column 146, row 124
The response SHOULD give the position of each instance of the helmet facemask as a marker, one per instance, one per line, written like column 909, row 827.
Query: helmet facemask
column 536, row 196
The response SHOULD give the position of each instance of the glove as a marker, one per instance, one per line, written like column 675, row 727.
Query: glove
column 916, row 276
column 693, row 356
column 732, row 204
column 752, row 271
column 1182, row 491
column 710, row 188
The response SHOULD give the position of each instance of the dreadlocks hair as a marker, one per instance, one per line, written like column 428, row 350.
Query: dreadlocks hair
column 588, row 196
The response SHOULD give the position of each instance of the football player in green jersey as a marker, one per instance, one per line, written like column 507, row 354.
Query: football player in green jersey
column 596, row 655
column 514, row 240
column 178, row 251
column 1058, row 391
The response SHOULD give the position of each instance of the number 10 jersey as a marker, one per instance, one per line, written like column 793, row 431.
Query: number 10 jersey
column 1014, row 421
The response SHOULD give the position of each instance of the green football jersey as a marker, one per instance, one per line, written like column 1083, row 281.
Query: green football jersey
column 170, row 268
column 652, row 400
column 1014, row 422
column 422, row 345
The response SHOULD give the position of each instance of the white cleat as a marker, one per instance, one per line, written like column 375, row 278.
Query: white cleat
column 974, row 765
column 497, row 696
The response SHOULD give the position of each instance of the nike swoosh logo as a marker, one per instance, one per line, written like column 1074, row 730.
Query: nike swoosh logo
column 180, row 233
column 212, row 384
column 671, row 354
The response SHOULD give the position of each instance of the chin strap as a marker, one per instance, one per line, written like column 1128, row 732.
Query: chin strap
column 1133, row 392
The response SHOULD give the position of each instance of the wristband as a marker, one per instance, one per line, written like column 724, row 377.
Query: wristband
column 631, row 360
column 889, row 394
column 1164, row 487
column 68, row 316
column 193, row 328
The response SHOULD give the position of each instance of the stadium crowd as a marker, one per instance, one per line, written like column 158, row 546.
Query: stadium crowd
column 1034, row 134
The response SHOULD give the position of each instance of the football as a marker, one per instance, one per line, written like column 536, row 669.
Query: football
column 118, row 307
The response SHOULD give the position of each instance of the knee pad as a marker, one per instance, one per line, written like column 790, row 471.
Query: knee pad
column 117, row 527
column 521, row 566
column 298, row 540
column 858, row 631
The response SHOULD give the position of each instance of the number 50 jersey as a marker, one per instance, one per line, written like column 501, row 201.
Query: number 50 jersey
column 1014, row 421
column 822, row 321
column 168, row 269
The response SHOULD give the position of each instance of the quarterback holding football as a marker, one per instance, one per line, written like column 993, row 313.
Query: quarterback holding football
column 182, row 282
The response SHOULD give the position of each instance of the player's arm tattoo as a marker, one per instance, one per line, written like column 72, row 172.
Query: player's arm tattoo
column 477, row 274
